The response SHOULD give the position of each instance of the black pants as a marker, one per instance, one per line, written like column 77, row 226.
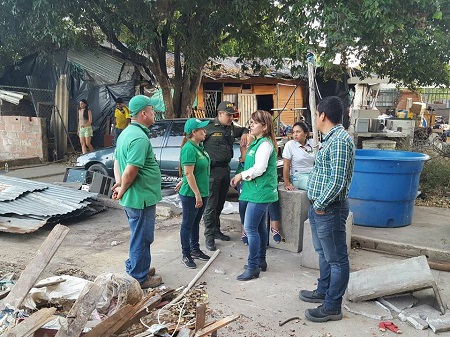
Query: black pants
column 219, row 183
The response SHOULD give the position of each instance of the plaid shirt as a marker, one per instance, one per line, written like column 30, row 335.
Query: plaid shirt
column 331, row 176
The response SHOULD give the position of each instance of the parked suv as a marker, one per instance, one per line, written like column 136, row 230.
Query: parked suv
column 166, row 137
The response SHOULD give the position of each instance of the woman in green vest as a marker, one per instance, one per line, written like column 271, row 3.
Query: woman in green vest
column 259, row 190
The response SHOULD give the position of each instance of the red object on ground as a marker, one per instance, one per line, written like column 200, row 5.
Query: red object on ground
column 383, row 326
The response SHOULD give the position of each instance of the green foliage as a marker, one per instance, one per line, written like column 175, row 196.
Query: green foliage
column 435, row 177
column 404, row 40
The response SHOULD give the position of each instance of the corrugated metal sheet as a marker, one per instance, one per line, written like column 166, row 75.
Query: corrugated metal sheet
column 27, row 205
column 108, row 67
column 11, row 188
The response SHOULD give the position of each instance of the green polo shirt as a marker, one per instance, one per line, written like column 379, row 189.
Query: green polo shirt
column 134, row 148
column 193, row 154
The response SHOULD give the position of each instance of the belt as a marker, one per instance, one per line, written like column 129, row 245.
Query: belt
column 219, row 164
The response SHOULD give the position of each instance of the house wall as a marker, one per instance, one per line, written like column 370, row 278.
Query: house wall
column 280, row 91
column 404, row 95
column 22, row 138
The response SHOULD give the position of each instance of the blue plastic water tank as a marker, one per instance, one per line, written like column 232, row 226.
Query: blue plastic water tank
column 384, row 187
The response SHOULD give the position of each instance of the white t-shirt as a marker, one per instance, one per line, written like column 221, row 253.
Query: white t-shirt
column 301, row 157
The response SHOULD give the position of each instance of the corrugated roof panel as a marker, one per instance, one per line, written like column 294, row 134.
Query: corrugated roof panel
column 11, row 188
column 97, row 62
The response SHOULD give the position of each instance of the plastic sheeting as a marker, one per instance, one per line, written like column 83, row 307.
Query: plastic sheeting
column 35, row 72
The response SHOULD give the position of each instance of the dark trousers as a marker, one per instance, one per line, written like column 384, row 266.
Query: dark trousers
column 219, row 183
column 189, row 232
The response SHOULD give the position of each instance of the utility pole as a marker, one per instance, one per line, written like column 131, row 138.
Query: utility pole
column 312, row 99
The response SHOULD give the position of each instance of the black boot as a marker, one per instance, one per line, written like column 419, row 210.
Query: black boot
column 262, row 266
column 249, row 274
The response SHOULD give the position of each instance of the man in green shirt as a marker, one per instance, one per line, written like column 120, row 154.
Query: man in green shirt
column 328, row 186
column 138, row 188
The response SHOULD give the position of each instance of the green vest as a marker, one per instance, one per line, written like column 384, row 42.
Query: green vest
column 262, row 189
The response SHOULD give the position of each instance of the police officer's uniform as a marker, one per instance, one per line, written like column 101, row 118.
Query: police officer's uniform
column 219, row 145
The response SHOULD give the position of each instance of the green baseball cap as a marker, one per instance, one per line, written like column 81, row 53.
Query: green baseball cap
column 138, row 103
column 194, row 123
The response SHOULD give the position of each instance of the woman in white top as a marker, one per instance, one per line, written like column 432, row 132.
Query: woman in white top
column 298, row 158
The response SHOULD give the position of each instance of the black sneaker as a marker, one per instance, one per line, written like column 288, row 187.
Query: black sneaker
column 320, row 315
column 199, row 255
column 188, row 262
column 211, row 245
column 221, row 236
column 311, row 296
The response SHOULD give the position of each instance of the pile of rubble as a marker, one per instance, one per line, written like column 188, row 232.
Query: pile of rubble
column 385, row 292
column 111, row 305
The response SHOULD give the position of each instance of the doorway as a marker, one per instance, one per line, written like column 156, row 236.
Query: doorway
column 265, row 102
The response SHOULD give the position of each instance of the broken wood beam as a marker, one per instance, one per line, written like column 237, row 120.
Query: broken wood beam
column 32, row 323
column 200, row 316
column 34, row 269
column 216, row 326
column 81, row 311
column 124, row 317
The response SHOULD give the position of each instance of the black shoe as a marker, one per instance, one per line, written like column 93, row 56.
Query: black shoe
column 211, row 245
column 199, row 255
column 311, row 296
column 188, row 262
column 262, row 266
column 249, row 274
column 221, row 236
column 320, row 315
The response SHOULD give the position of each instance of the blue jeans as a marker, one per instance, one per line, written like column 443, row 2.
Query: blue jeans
column 329, row 240
column 142, row 225
column 255, row 228
column 189, row 232
column 274, row 211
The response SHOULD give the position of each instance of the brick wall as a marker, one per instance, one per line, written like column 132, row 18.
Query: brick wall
column 404, row 94
column 22, row 137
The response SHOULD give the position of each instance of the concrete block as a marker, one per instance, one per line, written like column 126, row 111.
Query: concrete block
column 308, row 256
column 294, row 206
column 370, row 309
column 398, row 303
column 395, row 278
column 439, row 324
column 418, row 316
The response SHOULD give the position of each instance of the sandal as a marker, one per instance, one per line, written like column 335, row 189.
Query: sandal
column 276, row 235
column 244, row 239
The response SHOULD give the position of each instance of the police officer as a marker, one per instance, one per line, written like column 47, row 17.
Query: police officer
column 220, row 135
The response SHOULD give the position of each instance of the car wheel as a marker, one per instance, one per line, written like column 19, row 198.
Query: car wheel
column 99, row 168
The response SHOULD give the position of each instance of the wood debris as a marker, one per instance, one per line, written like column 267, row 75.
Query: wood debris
column 183, row 312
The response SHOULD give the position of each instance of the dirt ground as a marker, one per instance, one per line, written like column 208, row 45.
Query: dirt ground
column 99, row 244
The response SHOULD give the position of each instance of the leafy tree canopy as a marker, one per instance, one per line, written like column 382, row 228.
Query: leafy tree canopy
column 406, row 41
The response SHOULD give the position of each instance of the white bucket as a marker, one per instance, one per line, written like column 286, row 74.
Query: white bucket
column 380, row 144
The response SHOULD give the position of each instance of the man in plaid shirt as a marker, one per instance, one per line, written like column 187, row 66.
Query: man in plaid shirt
column 328, row 187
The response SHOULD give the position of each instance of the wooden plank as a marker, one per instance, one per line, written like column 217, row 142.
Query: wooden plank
column 32, row 323
column 108, row 326
column 216, row 326
column 200, row 313
column 147, row 304
column 34, row 269
column 125, row 317
column 81, row 310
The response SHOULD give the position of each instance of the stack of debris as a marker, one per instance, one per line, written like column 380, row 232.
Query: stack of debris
column 112, row 305
column 388, row 290
column 27, row 205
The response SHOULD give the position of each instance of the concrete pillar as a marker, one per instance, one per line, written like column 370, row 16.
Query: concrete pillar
column 294, row 207
column 308, row 256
